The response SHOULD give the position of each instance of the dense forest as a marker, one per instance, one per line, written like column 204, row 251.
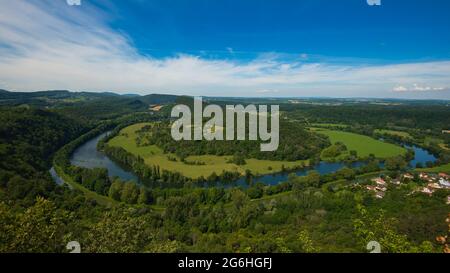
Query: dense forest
column 313, row 213
column 423, row 116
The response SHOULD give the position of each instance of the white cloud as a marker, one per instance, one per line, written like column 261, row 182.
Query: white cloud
column 50, row 45
column 304, row 56
column 418, row 88
column 400, row 88
column 267, row 91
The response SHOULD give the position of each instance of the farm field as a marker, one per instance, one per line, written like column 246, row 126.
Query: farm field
column 153, row 155
column 363, row 145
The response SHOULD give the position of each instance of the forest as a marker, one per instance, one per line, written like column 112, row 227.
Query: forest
column 296, row 143
column 312, row 213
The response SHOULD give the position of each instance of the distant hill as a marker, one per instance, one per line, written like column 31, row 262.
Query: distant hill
column 62, row 98
column 49, row 98
column 158, row 99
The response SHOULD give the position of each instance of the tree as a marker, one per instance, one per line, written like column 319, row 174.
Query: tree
column 256, row 191
column 238, row 198
column 115, row 191
column 144, row 197
column 306, row 242
column 118, row 232
column 346, row 173
column 41, row 228
column 130, row 193
column 395, row 163
column 181, row 209
column 313, row 178
column 377, row 227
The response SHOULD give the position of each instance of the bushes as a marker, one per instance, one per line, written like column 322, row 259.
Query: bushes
column 237, row 159
column 256, row 191
column 334, row 150
column 115, row 191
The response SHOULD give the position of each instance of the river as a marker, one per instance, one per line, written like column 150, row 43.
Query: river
column 88, row 156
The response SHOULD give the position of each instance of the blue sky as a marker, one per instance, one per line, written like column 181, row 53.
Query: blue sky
column 310, row 48
column 398, row 30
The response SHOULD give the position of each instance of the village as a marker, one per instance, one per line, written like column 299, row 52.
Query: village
column 429, row 183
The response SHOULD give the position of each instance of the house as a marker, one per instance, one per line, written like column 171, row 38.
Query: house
column 435, row 186
column 427, row 191
column 408, row 176
column 380, row 188
column 156, row 107
column 444, row 183
column 379, row 195
column 427, row 177
column 371, row 188
column 396, row 182
column 380, row 181
column 444, row 175
column 448, row 200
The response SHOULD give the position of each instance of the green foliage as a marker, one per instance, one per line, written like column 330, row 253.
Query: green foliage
column 295, row 144
column 40, row 228
column 334, row 150
column 181, row 209
column 381, row 229
column 395, row 163
column 238, row 159
column 130, row 193
column 306, row 242
column 118, row 232
column 304, row 214
column 115, row 191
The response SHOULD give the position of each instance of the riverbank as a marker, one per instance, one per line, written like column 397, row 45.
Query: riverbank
column 87, row 156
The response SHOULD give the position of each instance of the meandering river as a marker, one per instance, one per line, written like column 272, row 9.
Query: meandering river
column 88, row 156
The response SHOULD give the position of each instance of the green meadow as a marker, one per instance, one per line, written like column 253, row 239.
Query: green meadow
column 153, row 155
column 444, row 168
column 363, row 145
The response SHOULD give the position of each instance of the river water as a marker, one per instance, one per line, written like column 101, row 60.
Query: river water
column 88, row 156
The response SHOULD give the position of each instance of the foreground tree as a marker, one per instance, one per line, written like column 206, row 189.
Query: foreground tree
column 41, row 228
column 377, row 227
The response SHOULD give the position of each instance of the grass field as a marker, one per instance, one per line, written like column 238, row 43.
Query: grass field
column 364, row 145
column 153, row 155
column 443, row 168
column 392, row 132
